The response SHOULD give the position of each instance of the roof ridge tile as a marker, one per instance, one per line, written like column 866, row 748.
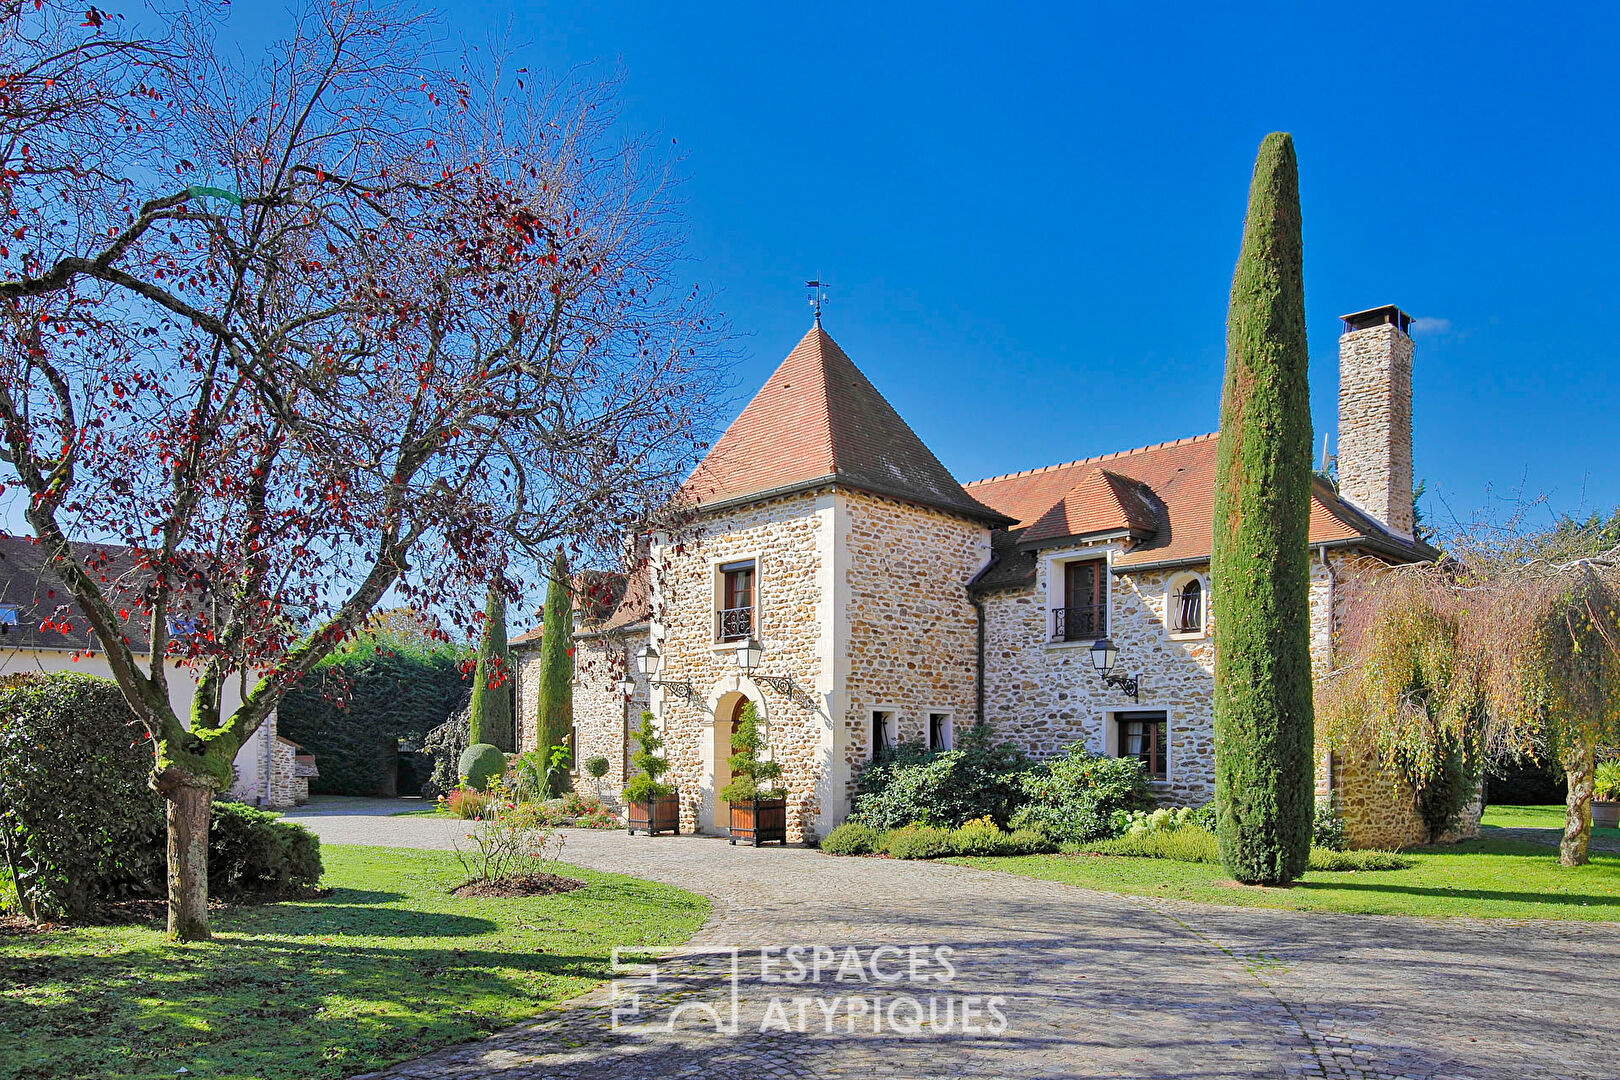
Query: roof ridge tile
column 1091, row 460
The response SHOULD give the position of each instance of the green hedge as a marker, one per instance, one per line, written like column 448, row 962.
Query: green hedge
column 78, row 820
column 80, row 823
column 353, row 709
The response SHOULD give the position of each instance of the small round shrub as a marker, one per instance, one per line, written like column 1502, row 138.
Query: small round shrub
column 980, row 836
column 852, row 838
column 917, row 842
column 480, row 763
column 1028, row 842
column 596, row 767
column 1327, row 826
column 253, row 852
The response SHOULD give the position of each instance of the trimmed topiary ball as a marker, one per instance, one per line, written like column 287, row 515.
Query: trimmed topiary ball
column 596, row 767
column 481, row 763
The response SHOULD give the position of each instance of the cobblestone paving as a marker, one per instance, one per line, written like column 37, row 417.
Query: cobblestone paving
column 1093, row 984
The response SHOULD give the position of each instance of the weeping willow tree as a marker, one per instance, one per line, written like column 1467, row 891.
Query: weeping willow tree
column 1414, row 693
column 1509, row 646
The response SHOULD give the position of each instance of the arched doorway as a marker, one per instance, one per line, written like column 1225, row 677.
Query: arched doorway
column 726, row 716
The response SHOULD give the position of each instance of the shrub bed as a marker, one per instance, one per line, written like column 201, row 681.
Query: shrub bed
column 944, row 788
column 1079, row 797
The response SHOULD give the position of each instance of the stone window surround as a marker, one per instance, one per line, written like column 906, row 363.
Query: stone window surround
column 949, row 727
column 1111, row 739
column 1172, row 590
column 891, row 726
column 718, row 585
column 1100, row 547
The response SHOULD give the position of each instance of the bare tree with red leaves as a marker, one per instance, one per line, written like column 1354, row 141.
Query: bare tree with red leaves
column 309, row 333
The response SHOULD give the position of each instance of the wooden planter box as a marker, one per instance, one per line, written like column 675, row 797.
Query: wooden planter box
column 759, row 821
column 1605, row 815
column 662, row 814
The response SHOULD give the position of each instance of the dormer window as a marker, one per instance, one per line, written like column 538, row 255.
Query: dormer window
column 735, row 620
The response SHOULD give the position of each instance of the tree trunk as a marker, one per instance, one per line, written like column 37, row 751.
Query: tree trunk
column 1580, row 763
column 189, row 811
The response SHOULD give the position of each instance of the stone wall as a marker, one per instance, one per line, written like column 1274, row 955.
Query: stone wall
column 602, row 718
column 286, row 788
column 1375, row 424
column 911, row 639
column 791, row 542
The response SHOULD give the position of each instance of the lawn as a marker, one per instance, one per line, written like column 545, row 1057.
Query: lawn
column 387, row 967
column 1534, row 817
column 1486, row 878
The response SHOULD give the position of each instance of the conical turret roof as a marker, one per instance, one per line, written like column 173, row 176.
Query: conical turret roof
column 819, row 420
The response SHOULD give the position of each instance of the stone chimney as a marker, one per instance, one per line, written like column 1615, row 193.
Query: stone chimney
column 1375, row 415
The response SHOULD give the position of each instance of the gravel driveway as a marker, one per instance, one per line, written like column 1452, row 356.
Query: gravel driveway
column 1088, row 984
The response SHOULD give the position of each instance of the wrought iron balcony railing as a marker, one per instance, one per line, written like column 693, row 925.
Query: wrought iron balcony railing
column 735, row 623
column 1082, row 623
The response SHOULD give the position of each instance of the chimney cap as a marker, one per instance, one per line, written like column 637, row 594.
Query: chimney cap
column 1388, row 315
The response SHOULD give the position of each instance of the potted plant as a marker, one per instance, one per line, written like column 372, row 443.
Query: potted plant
column 758, row 808
column 1606, row 795
column 651, row 806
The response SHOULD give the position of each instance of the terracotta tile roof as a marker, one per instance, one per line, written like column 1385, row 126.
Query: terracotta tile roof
column 817, row 418
column 1066, row 500
column 1103, row 501
column 622, row 600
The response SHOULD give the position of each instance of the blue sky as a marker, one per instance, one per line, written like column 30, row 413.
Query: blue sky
column 1029, row 213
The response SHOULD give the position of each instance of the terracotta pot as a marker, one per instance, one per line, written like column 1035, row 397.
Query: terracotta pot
column 1605, row 815
column 759, row 820
column 662, row 814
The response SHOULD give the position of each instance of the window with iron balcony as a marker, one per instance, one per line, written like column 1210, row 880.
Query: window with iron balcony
column 1084, row 614
column 735, row 619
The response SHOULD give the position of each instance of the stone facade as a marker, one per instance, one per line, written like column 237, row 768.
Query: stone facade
column 289, row 776
column 909, row 625
column 791, row 542
column 1046, row 695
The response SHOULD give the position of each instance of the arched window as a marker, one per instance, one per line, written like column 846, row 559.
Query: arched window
column 1187, row 607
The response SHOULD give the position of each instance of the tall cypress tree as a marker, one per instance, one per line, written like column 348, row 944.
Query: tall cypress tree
column 555, row 712
column 490, row 714
column 1260, row 568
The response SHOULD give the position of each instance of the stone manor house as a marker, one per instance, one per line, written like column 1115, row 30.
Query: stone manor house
column 878, row 599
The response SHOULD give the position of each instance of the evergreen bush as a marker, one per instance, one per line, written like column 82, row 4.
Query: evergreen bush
column 490, row 713
column 980, row 836
column 917, row 842
column 554, row 719
column 751, row 777
column 1327, row 826
column 252, row 852
column 1029, row 842
column 79, row 822
column 480, row 764
column 1079, row 796
column 945, row 788
column 852, row 838
column 645, row 785
column 1264, row 729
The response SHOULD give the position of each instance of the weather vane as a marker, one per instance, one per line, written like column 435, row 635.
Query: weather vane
column 818, row 296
